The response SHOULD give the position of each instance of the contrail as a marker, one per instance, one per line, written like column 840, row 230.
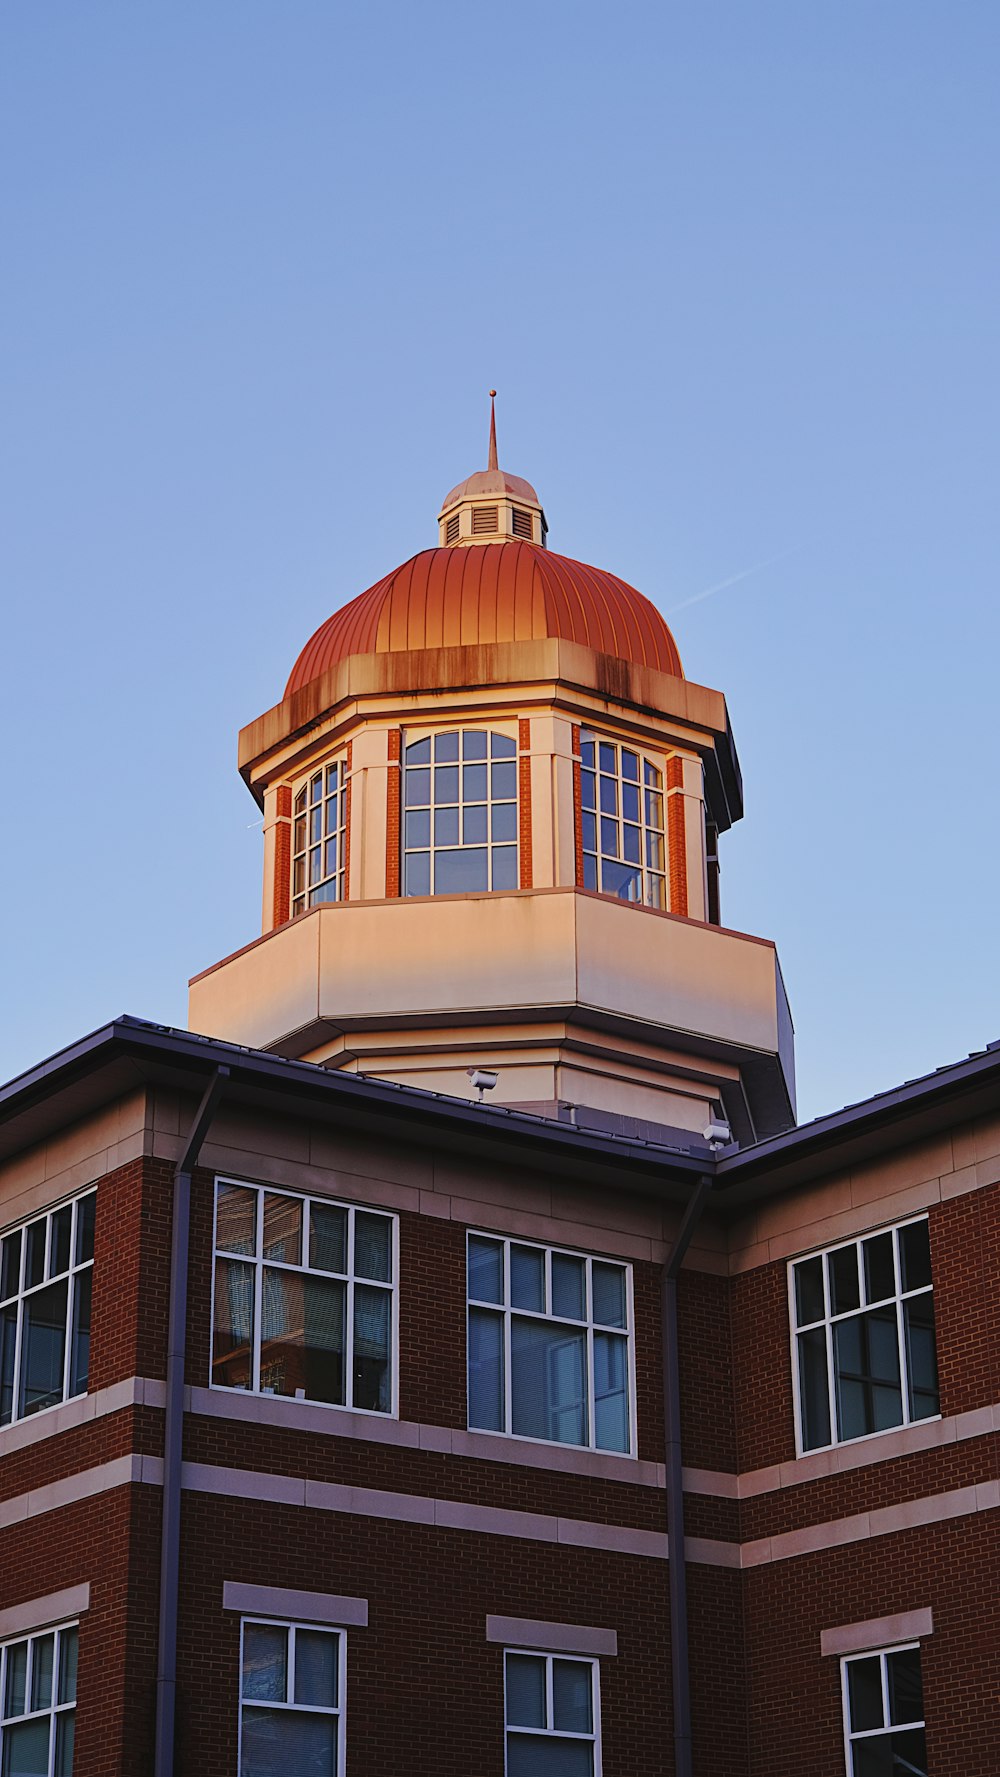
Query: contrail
column 734, row 579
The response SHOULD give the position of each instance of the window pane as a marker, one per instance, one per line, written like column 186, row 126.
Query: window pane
column 371, row 1349
column 372, row 1246
column 572, row 1708
column 416, row 788
column 880, row 1271
column 654, row 811
column 446, row 783
column 62, row 1229
column 446, row 748
column 909, row 1754
column 236, row 1219
column 316, row 1668
column 587, row 752
column 502, row 747
column 460, row 872
column 808, row 1291
column 418, row 752
column 527, row 1277
column 79, row 1363
column 417, row 828
column 265, row 1662
column 10, row 1265
column 632, row 847
column 42, row 1661
column 549, row 1382
column 327, row 1237
column 623, row 880
column 525, row 1691
column 26, row 1749
column 866, row 1358
column 844, row 1289
column 610, row 1392
column 609, row 1294
column 569, row 1293
column 232, row 1341
column 34, row 1261
column 588, row 789
column 485, row 1370
column 864, row 1693
column 590, row 873
column 43, row 1347
column 630, row 802
column 503, row 782
column 873, row 1758
column 302, row 1336
column 504, row 821
column 906, row 1697
column 8, row 1346
column 276, row 1743
column 606, row 756
column 446, row 826
column 504, row 867
column 609, row 796
column 474, row 781
column 814, row 1396
column 474, row 824
column 485, row 1269
column 417, row 874
column 921, row 1359
column 589, row 829
column 915, row 1255
column 548, row 1757
column 609, row 837
column 65, row 1735
column 68, row 1645
column 15, row 1689
column 283, row 1229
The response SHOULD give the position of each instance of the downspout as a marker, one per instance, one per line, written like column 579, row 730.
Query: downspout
column 676, row 1564
column 170, row 1533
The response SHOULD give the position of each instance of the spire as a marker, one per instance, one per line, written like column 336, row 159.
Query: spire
column 493, row 463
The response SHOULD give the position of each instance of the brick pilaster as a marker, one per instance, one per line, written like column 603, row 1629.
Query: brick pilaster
column 393, row 801
column 283, row 854
column 676, row 836
column 524, row 801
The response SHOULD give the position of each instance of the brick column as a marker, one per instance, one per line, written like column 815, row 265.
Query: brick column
column 524, row 801
column 282, row 855
column 393, row 884
column 676, row 836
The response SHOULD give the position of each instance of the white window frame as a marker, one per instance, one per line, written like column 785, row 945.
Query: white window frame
column 55, row 1709
column 347, row 1277
column 853, row 1736
column 292, row 1625
column 308, row 895
column 24, row 1293
column 412, row 737
column 828, row 1322
column 551, row 1733
column 507, row 1311
column 649, row 875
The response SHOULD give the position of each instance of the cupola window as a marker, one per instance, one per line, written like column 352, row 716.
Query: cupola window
column 523, row 526
column 485, row 521
column 621, row 796
column 451, row 529
column 318, row 843
column 460, row 813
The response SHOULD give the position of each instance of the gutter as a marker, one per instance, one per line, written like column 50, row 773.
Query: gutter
column 166, row 1665
column 677, row 1560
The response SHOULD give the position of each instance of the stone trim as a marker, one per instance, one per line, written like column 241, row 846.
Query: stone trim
column 348, row 806
column 524, row 802
column 858, row 1638
column 577, row 804
column 552, row 1638
column 301, row 1607
column 393, row 816
column 38, row 1613
column 135, row 1391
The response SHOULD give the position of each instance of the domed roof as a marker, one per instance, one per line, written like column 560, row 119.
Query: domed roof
column 509, row 592
column 486, row 482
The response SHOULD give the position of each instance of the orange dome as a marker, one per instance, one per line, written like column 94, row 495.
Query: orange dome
column 506, row 592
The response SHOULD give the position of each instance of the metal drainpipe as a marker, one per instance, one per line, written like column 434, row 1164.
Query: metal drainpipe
column 166, row 1668
column 677, row 1565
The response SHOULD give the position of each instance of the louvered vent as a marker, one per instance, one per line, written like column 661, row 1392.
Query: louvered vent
column 451, row 529
column 484, row 520
column 523, row 526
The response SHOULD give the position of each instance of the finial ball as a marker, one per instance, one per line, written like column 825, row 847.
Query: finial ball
column 492, row 393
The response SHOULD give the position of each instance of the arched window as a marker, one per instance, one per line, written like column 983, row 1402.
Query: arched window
column 622, row 821
column 318, row 838
column 459, row 813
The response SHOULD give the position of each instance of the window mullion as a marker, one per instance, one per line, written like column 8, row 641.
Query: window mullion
column 258, row 1291
column 349, row 1312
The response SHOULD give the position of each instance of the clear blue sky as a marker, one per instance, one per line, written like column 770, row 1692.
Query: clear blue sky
column 734, row 269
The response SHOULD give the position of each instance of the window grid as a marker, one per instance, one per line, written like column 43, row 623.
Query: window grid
column 38, row 1702
column 884, row 1712
column 460, row 813
column 318, row 849
column 504, row 1309
column 917, row 1400
column 621, row 818
column 281, row 1729
column 577, row 1748
column 46, row 1268
column 262, row 1303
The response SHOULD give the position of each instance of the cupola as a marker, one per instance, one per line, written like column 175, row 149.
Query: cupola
column 491, row 506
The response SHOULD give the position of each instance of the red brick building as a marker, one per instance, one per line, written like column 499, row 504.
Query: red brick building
column 610, row 1426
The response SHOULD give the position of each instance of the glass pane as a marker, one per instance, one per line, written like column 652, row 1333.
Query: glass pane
column 502, row 746
column 330, row 858
column 609, row 796
column 909, row 1754
column 265, row 1661
column 474, row 743
column 588, row 789
column 79, row 1362
column 445, row 783
column 235, row 1219
column 866, row 1359
column 864, row 1693
column 630, row 765
column 446, row 748
column 606, row 757
column 316, row 826
column 65, row 1735
column 504, row 867
column 474, row 781
column 277, row 1743
column 300, row 835
column 302, row 1336
column 485, row 1370
column 921, row 1358
column 316, row 787
column 419, row 752
column 372, row 1246
column 68, row 1646
column 446, row 826
column 528, row 1756
column 656, row 894
column 283, row 1229
column 34, row 1262
column 814, row 1389
column 873, row 1758
column 654, row 811
column 327, row 1237
column 8, row 1345
column 505, row 821
column 485, row 1269
column 525, row 1691
column 10, row 1265
column 315, row 865
column 569, row 1291
column 631, row 846
column 42, row 1662
column 460, row 872
column 906, row 1697
column 503, row 782
column 623, row 880
column 326, row 892
column 590, row 872
column 808, row 1291
column 527, row 1277
column 609, row 837
column 548, row 1382
column 417, row 828
column 654, row 850
column 316, row 1668
column 474, row 825
column 915, row 1255
column 587, row 752
column 630, row 802
column 26, row 1749
column 572, row 1706
column 589, row 830
column 232, row 1338
column 844, row 1289
column 610, row 1392
column 416, row 788
column 880, row 1271
column 62, row 1231
column 15, row 1689
column 417, row 876
column 371, row 1348
column 43, row 1352
column 608, row 1282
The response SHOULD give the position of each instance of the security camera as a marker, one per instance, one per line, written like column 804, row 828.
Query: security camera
column 718, row 1135
column 483, row 1079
